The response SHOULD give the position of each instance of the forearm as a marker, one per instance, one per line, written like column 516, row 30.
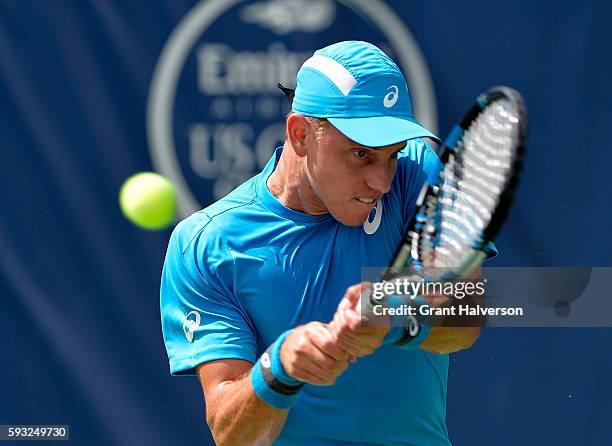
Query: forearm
column 236, row 416
column 250, row 405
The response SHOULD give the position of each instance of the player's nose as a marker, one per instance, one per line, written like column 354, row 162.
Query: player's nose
column 380, row 178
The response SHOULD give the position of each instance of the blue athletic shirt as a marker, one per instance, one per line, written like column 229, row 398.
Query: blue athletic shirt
column 245, row 269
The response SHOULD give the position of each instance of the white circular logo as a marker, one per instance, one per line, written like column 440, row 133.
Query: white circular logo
column 265, row 360
column 413, row 326
column 391, row 97
column 214, row 113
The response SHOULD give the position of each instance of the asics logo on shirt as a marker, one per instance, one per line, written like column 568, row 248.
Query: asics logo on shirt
column 192, row 322
column 371, row 224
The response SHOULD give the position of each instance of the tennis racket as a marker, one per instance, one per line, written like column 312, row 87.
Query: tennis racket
column 464, row 208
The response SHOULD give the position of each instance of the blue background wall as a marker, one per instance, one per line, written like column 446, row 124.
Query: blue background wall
column 79, row 315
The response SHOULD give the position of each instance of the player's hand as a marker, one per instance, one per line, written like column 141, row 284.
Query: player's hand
column 310, row 354
column 355, row 334
column 443, row 340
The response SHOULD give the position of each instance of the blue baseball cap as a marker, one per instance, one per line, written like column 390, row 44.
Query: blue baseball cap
column 361, row 92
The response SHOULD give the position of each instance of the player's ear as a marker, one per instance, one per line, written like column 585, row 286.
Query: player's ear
column 297, row 129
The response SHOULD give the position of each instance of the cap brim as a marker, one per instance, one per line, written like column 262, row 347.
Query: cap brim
column 379, row 131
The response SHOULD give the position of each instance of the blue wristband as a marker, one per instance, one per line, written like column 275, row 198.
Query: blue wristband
column 278, row 371
column 271, row 383
column 397, row 322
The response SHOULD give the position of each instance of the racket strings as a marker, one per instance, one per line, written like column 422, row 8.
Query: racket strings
column 471, row 185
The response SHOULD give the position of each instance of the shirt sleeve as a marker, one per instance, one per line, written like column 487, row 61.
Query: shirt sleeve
column 201, row 319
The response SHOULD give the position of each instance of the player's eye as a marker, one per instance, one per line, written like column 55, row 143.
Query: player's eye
column 361, row 154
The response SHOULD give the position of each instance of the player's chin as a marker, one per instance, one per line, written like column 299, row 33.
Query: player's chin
column 352, row 217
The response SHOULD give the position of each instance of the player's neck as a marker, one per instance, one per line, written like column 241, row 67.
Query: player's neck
column 290, row 185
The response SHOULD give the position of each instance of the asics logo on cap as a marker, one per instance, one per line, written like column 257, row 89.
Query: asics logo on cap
column 391, row 97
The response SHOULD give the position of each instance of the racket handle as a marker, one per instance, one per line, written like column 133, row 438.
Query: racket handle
column 365, row 305
column 396, row 331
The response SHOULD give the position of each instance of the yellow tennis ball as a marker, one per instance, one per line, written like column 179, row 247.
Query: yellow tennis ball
column 148, row 200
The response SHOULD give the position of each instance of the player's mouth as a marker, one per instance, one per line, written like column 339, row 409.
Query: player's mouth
column 366, row 201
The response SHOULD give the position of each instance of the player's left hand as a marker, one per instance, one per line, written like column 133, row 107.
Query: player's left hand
column 354, row 334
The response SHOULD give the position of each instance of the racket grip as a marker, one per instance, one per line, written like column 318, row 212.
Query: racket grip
column 365, row 306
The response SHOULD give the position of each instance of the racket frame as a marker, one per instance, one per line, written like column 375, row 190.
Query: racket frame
column 410, row 242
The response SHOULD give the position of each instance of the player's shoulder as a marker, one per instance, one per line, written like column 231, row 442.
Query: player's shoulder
column 213, row 223
column 417, row 158
column 419, row 152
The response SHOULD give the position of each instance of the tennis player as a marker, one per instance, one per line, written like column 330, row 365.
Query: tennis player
column 259, row 290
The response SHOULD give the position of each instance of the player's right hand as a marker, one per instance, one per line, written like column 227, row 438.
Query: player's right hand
column 310, row 354
column 356, row 334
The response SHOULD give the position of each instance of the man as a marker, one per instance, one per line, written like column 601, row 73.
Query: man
column 260, row 291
